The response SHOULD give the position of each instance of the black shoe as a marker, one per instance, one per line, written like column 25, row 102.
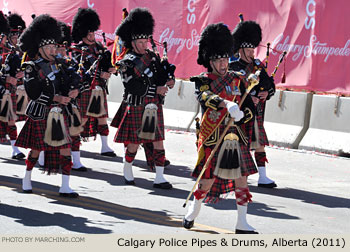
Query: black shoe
column 80, row 169
column 239, row 231
column 166, row 163
column 165, row 185
column 19, row 156
column 108, row 154
column 28, row 191
column 187, row 224
column 271, row 185
column 129, row 182
column 69, row 195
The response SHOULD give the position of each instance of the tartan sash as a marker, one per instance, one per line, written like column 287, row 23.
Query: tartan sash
column 225, row 87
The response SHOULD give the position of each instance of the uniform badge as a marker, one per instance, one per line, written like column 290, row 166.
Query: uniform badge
column 236, row 91
column 29, row 69
column 204, row 88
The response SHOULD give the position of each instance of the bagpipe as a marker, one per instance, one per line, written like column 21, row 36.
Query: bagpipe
column 12, row 63
column 168, row 68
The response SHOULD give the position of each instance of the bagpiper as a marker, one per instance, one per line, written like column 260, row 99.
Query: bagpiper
column 12, row 76
column 222, row 166
column 46, row 81
column 96, row 68
column 146, row 82
column 48, row 159
column 247, row 36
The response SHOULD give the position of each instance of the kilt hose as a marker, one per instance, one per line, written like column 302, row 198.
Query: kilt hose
column 130, row 127
column 6, row 129
column 33, row 133
column 223, row 186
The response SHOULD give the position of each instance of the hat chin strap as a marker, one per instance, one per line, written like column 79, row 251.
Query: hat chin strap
column 246, row 58
column 216, row 70
column 46, row 56
column 136, row 48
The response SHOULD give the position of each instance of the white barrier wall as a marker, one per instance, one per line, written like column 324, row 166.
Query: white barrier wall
column 286, row 117
column 329, row 129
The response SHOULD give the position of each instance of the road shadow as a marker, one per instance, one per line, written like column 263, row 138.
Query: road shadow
column 120, row 212
column 35, row 218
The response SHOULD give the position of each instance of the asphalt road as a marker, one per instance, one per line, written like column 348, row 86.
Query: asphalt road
column 312, row 196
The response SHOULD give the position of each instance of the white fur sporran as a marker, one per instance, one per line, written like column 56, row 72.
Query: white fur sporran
column 6, row 108
column 75, row 127
column 56, row 133
column 228, row 165
column 22, row 100
column 96, row 104
column 149, row 122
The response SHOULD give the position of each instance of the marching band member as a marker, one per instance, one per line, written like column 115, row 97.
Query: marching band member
column 46, row 83
column 246, row 37
column 96, row 69
column 49, row 158
column 218, row 92
column 12, row 76
column 145, row 79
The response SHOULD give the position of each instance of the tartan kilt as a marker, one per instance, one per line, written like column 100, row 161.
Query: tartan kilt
column 263, row 140
column 52, row 161
column 248, row 129
column 223, row 186
column 128, row 130
column 119, row 115
column 33, row 133
column 83, row 103
column 3, row 132
column 90, row 128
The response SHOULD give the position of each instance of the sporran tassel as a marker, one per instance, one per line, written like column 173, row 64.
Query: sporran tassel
column 96, row 104
column 228, row 165
column 149, row 122
column 56, row 133
column 75, row 127
column 22, row 100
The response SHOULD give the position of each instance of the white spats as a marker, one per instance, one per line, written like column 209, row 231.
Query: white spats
column 242, row 223
column 263, row 179
column 41, row 159
column 27, row 181
column 159, row 175
column 105, row 147
column 65, row 185
column 194, row 209
column 76, row 160
column 127, row 170
column 15, row 149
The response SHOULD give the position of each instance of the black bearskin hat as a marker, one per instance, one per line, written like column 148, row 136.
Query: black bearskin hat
column 85, row 21
column 137, row 25
column 44, row 30
column 4, row 25
column 17, row 24
column 65, row 33
column 247, row 34
column 215, row 42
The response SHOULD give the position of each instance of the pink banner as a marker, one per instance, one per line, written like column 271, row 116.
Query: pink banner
column 314, row 33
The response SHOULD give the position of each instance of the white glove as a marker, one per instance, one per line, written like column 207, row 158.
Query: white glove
column 234, row 111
